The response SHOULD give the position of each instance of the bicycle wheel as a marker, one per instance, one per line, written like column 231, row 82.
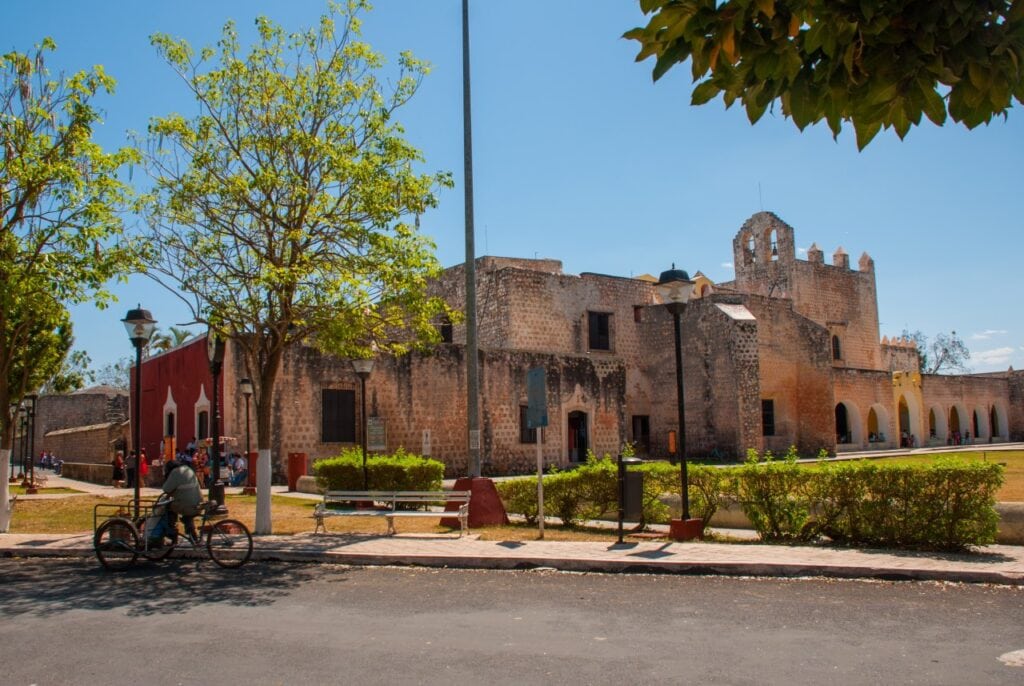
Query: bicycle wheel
column 116, row 544
column 153, row 549
column 229, row 543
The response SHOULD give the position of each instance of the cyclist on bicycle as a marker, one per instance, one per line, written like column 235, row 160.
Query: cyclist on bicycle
column 181, row 484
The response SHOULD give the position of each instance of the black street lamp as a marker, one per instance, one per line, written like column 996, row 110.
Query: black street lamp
column 245, row 386
column 675, row 287
column 30, row 487
column 23, row 416
column 15, row 410
column 363, row 368
column 139, row 324
column 215, row 351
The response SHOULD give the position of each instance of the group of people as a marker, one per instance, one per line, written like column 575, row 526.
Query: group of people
column 47, row 460
column 124, row 475
column 234, row 468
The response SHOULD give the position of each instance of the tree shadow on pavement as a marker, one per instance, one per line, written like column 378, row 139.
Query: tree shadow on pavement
column 49, row 588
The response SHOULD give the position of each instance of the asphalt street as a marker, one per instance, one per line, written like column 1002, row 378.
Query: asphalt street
column 188, row 622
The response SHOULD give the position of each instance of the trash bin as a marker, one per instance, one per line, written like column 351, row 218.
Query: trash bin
column 217, row 492
column 296, row 468
column 631, row 492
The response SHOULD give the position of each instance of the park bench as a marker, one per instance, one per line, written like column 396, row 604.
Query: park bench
column 386, row 504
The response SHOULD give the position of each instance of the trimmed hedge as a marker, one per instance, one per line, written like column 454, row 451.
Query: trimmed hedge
column 399, row 472
column 591, row 491
column 946, row 505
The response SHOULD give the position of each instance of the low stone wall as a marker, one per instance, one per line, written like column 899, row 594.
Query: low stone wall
column 87, row 471
column 307, row 484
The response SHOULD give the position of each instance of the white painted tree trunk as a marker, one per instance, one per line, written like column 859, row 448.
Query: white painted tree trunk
column 5, row 491
column 263, row 492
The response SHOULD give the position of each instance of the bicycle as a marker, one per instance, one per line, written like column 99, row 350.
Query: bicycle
column 118, row 542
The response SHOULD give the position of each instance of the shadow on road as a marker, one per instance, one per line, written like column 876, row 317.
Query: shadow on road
column 51, row 588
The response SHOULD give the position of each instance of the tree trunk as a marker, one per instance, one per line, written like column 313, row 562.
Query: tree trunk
column 264, row 463
column 5, row 490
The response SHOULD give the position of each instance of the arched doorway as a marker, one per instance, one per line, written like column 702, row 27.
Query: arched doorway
column 843, row 433
column 993, row 420
column 906, row 425
column 931, row 423
column 577, row 435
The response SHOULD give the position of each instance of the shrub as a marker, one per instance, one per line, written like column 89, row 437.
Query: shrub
column 946, row 505
column 398, row 472
column 775, row 496
column 520, row 496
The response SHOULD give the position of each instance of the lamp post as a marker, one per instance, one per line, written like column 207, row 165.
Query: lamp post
column 675, row 287
column 15, row 409
column 245, row 386
column 23, row 416
column 215, row 351
column 139, row 324
column 30, row 488
column 363, row 368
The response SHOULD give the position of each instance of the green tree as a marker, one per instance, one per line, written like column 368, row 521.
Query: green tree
column 61, row 238
column 282, row 208
column 867, row 62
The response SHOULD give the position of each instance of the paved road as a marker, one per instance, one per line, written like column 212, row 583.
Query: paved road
column 66, row 622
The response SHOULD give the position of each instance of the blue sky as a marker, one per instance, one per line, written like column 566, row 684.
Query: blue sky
column 578, row 156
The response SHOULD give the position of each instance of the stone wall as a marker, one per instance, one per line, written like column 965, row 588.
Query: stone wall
column 970, row 402
column 422, row 395
column 796, row 374
column 86, row 444
column 82, row 408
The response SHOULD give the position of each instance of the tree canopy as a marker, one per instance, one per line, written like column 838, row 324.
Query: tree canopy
column 61, row 235
column 871, row 63
column 284, row 209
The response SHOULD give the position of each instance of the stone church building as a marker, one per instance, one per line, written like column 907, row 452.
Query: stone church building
column 788, row 353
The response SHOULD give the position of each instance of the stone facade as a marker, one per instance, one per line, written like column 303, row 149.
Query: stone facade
column 786, row 354
column 82, row 426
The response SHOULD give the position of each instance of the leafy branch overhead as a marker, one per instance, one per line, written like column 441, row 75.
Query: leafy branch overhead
column 872, row 63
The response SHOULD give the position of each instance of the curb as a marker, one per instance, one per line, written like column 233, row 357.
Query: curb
column 568, row 564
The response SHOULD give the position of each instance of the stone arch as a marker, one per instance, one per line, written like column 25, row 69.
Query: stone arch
column 908, row 417
column 878, row 424
column 848, row 424
column 997, row 422
column 959, row 422
column 979, row 423
column 938, row 426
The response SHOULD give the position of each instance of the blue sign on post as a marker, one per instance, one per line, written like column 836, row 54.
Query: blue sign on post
column 536, row 398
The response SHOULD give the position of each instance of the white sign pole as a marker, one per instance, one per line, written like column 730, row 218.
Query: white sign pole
column 540, row 484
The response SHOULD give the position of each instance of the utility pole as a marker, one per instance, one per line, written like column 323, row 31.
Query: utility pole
column 472, row 354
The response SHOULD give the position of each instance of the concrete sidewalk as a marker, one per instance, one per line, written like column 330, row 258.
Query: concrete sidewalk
column 1000, row 564
column 993, row 564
